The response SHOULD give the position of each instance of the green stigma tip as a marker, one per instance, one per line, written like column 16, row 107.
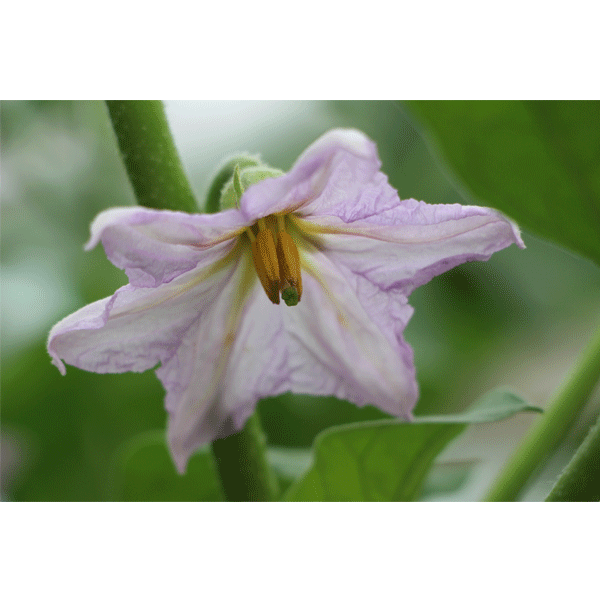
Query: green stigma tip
column 290, row 296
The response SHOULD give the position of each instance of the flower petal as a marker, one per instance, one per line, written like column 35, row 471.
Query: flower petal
column 336, row 348
column 233, row 355
column 337, row 175
column 155, row 246
column 405, row 247
column 136, row 328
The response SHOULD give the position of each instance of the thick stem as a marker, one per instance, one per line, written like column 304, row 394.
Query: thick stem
column 580, row 481
column 551, row 428
column 150, row 156
column 241, row 460
column 159, row 181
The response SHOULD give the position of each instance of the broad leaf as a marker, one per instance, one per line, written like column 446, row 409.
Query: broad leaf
column 580, row 480
column 145, row 472
column 389, row 460
column 288, row 463
column 445, row 478
column 539, row 162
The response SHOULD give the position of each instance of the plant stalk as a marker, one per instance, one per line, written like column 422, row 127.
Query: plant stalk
column 150, row 156
column 551, row 428
column 159, row 181
column 580, row 481
column 242, row 463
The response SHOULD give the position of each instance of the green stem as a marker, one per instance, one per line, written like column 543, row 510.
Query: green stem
column 241, row 460
column 150, row 156
column 159, row 181
column 551, row 428
column 580, row 481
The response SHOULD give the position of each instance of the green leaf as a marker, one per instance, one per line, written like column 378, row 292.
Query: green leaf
column 552, row 428
column 445, row 478
column 580, row 480
column 288, row 463
column 539, row 162
column 145, row 472
column 389, row 460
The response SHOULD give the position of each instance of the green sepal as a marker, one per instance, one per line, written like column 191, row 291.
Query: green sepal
column 224, row 176
column 238, row 188
column 252, row 175
column 246, row 176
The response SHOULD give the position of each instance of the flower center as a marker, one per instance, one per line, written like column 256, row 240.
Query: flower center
column 276, row 260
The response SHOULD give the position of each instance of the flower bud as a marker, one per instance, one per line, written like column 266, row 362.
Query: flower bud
column 236, row 175
column 265, row 263
column 221, row 194
column 253, row 174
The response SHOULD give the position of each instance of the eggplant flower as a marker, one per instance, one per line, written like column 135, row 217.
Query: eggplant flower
column 330, row 237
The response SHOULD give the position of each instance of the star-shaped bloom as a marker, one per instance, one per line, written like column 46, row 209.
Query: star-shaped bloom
column 203, row 299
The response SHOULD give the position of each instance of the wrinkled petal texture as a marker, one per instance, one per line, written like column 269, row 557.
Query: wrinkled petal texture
column 372, row 250
column 135, row 328
column 219, row 340
column 381, row 266
column 404, row 247
column 233, row 354
column 337, row 175
column 194, row 303
column 337, row 349
column 155, row 246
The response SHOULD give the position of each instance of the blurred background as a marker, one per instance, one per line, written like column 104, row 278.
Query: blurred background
column 519, row 320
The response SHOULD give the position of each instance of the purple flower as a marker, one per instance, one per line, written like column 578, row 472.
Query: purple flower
column 331, row 235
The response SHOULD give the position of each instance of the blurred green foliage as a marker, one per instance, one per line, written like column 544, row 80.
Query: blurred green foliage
column 389, row 460
column 537, row 161
column 143, row 472
column 62, row 437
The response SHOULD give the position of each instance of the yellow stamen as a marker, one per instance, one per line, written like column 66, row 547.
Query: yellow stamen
column 265, row 262
column 250, row 234
column 289, row 267
column 277, row 263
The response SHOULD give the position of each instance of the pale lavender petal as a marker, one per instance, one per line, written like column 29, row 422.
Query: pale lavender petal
column 405, row 247
column 233, row 355
column 194, row 303
column 336, row 348
column 155, row 246
column 135, row 328
column 337, row 175
column 383, row 264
